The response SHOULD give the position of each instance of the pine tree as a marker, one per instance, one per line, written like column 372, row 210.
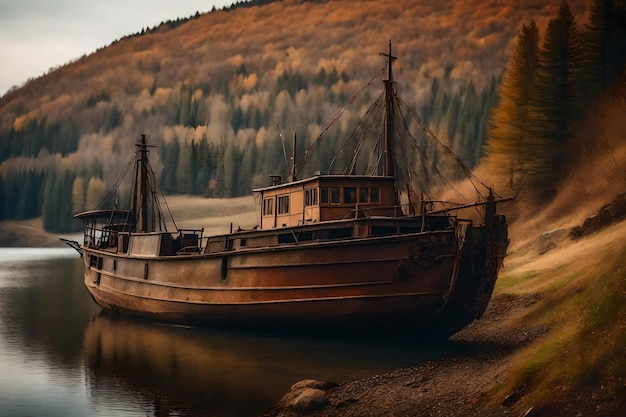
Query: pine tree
column 3, row 198
column 66, row 222
column 205, row 167
column 50, row 211
column 510, row 123
column 169, row 153
column 184, row 178
column 231, row 169
column 604, row 45
column 556, row 101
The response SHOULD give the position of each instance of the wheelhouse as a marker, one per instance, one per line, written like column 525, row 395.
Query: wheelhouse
column 324, row 198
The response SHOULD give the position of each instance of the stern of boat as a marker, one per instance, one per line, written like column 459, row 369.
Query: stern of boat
column 481, row 256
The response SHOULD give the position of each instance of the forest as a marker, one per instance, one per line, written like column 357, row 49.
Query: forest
column 220, row 92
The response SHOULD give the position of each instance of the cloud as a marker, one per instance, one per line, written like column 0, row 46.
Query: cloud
column 36, row 35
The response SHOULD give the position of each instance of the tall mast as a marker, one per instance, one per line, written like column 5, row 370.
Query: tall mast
column 389, row 168
column 292, row 172
column 141, row 185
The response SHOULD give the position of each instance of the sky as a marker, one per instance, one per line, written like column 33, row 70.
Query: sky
column 36, row 35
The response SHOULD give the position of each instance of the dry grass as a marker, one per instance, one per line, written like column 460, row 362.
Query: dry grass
column 215, row 215
column 581, row 285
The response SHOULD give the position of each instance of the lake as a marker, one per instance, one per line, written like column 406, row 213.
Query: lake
column 61, row 356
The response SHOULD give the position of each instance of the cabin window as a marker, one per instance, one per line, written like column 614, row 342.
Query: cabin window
column 283, row 204
column 369, row 195
column 364, row 195
column 324, row 195
column 335, row 195
column 310, row 197
column 384, row 230
column 268, row 206
column 349, row 195
column 374, row 195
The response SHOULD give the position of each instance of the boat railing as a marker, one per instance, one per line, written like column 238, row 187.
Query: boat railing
column 99, row 236
column 370, row 211
column 399, row 210
column 190, row 241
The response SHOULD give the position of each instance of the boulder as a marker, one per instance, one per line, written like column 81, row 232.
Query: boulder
column 306, row 396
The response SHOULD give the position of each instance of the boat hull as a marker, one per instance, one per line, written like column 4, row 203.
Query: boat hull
column 402, row 285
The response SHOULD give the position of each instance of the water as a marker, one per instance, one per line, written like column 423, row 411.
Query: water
column 60, row 356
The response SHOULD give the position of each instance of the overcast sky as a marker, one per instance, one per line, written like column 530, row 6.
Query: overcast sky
column 36, row 35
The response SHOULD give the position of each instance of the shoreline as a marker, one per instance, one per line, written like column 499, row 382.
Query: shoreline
column 532, row 354
column 438, row 387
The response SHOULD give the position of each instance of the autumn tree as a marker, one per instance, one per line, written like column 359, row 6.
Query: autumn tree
column 78, row 195
column 510, row 124
column 96, row 190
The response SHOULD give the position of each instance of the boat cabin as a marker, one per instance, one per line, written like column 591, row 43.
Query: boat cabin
column 323, row 198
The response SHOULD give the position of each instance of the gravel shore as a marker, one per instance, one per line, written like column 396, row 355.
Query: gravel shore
column 460, row 385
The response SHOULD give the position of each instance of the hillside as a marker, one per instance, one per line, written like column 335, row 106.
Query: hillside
column 216, row 92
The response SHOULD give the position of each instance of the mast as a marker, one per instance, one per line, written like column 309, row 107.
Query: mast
column 141, row 186
column 389, row 168
column 292, row 171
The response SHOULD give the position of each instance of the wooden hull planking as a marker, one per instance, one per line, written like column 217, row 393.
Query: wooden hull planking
column 376, row 284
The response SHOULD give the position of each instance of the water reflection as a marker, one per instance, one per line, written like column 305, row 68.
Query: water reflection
column 44, row 306
column 59, row 356
column 186, row 371
column 43, row 312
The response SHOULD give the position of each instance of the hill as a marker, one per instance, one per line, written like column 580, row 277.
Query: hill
column 217, row 91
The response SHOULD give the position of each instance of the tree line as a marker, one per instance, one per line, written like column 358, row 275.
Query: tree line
column 223, row 134
column 546, row 89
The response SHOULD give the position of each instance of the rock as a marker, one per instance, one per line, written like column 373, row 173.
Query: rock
column 309, row 399
column 307, row 395
column 313, row 383
column 347, row 402
column 607, row 215
column 547, row 241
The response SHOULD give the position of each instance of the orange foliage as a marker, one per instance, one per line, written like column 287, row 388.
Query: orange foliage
column 140, row 73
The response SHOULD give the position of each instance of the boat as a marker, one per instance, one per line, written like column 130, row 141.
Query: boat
column 340, row 253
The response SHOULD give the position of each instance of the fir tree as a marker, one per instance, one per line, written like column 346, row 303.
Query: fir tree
column 510, row 123
column 604, row 45
column 556, row 101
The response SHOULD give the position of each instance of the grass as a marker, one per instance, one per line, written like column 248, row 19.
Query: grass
column 213, row 214
column 582, row 304
column 511, row 281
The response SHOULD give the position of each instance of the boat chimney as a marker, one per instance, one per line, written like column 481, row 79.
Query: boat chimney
column 276, row 180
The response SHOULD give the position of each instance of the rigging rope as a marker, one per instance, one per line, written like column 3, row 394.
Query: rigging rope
column 301, row 163
column 468, row 173
column 407, row 145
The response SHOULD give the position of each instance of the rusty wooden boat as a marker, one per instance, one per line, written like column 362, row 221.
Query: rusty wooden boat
column 334, row 252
